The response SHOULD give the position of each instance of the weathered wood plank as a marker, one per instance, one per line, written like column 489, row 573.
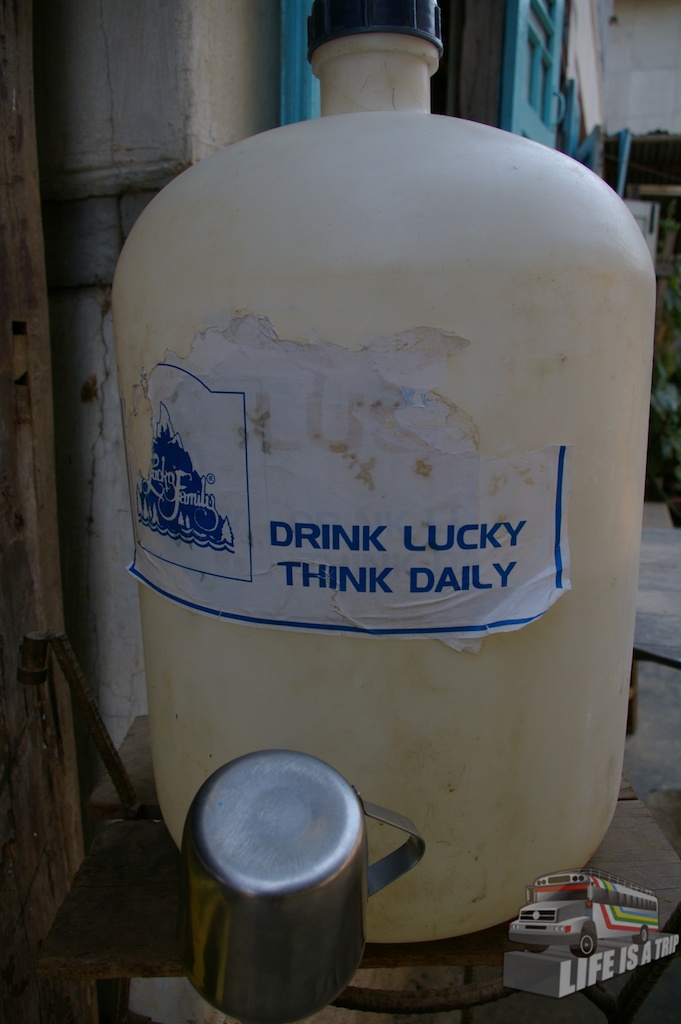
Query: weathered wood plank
column 119, row 918
column 656, row 515
column 657, row 635
column 40, row 836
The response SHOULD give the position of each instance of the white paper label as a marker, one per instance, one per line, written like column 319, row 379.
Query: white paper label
column 314, row 487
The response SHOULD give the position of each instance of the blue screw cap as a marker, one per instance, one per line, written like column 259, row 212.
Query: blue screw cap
column 333, row 19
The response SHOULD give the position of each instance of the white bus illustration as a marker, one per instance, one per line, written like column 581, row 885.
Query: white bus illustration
column 579, row 908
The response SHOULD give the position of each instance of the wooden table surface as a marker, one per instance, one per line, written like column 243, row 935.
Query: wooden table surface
column 657, row 635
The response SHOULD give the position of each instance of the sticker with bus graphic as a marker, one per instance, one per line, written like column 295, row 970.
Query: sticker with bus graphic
column 605, row 924
column 579, row 909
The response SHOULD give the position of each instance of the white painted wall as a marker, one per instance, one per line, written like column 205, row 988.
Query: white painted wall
column 584, row 60
column 643, row 67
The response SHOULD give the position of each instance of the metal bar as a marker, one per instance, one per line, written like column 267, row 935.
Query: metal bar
column 33, row 668
column 371, row 1000
column 623, row 160
column 640, row 654
column 467, row 1013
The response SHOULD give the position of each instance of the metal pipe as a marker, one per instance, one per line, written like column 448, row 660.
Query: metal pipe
column 33, row 670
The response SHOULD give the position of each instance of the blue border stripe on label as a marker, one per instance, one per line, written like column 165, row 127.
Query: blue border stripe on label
column 559, row 517
column 329, row 627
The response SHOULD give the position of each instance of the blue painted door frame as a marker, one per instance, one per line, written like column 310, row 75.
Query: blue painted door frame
column 299, row 87
column 532, row 104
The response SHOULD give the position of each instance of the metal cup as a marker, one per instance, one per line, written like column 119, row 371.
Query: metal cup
column 275, row 879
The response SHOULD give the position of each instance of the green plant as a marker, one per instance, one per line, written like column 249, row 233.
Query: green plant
column 664, row 438
column 668, row 223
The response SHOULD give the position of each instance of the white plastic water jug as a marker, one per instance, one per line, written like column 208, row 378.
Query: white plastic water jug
column 385, row 380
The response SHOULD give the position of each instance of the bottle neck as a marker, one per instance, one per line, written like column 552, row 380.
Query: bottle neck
column 375, row 71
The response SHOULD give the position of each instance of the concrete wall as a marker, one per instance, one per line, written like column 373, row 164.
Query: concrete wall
column 128, row 94
column 585, row 60
column 643, row 67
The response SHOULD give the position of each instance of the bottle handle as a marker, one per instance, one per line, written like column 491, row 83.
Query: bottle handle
column 401, row 860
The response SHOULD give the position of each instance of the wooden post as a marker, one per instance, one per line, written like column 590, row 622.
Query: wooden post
column 40, row 826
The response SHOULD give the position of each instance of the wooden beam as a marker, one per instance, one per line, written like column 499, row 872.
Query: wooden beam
column 40, row 828
column 657, row 191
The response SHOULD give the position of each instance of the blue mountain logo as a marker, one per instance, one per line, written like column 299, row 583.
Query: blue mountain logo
column 175, row 500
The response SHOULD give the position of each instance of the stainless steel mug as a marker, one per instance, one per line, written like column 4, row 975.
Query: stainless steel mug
column 275, row 878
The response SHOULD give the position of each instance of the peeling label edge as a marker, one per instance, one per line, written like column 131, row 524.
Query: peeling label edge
column 425, row 632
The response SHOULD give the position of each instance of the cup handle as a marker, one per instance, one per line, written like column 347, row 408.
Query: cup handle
column 401, row 860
